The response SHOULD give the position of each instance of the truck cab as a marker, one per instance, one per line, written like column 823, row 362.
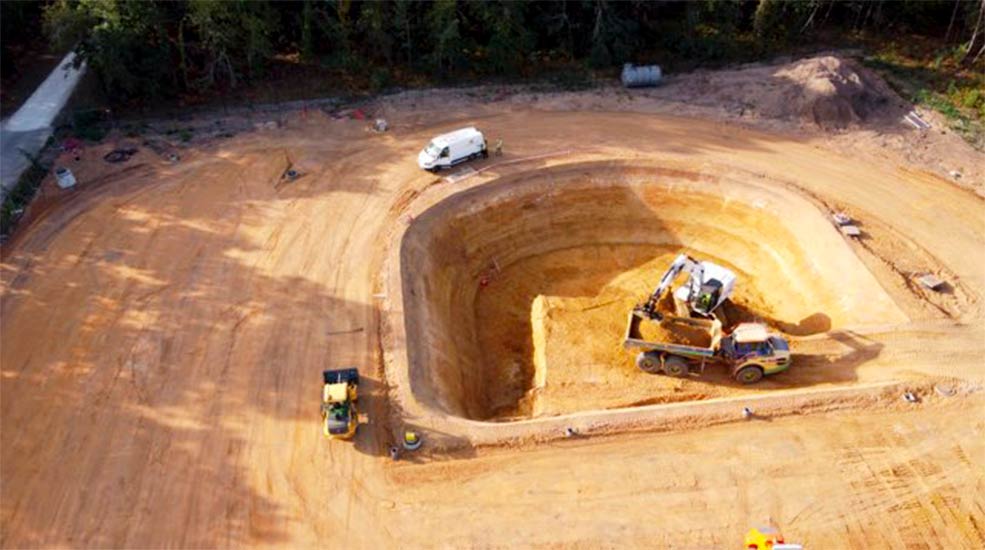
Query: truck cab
column 753, row 352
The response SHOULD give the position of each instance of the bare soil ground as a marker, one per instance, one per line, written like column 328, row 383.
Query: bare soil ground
column 165, row 324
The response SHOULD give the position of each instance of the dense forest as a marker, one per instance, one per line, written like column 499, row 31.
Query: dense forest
column 165, row 49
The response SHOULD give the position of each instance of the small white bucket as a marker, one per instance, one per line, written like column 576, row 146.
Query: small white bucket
column 66, row 180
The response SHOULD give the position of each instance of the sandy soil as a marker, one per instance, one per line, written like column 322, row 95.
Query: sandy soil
column 164, row 327
column 605, row 232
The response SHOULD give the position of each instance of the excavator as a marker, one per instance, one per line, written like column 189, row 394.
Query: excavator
column 748, row 350
column 708, row 286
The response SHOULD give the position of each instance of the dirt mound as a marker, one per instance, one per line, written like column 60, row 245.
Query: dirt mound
column 831, row 92
column 675, row 333
column 827, row 91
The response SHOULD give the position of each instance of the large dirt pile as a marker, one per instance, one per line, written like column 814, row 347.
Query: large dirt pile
column 831, row 92
column 827, row 91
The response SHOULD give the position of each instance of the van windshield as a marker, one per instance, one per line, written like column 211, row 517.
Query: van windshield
column 432, row 150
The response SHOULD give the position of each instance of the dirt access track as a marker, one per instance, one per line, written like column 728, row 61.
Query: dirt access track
column 164, row 328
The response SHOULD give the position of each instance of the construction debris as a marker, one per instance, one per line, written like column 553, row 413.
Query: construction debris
column 851, row 231
column 931, row 282
column 464, row 173
column 65, row 178
column 268, row 125
column 914, row 120
column 846, row 225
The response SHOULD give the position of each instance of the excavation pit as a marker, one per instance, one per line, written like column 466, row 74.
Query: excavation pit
column 515, row 292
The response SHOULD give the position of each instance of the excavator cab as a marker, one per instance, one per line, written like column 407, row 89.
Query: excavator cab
column 707, row 287
column 709, row 296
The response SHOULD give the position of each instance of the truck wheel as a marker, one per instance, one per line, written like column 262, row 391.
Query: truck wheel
column 675, row 366
column 749, row 374
column 648, row 362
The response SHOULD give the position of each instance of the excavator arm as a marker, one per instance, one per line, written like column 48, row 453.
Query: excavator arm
column 682, row 262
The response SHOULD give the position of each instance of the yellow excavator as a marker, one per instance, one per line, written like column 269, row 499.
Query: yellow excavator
column 340, row 392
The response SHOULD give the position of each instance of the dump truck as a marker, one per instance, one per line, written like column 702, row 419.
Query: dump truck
column 749, row 351
column 340, row 391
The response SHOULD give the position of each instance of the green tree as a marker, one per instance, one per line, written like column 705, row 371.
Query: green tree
column 234, row 36
column 308, row 30
column 404, row 22
column 712, row 29
column 446, row 40
column 509, row 38
column 377, row 30
column 613, row 34
column 125, row 43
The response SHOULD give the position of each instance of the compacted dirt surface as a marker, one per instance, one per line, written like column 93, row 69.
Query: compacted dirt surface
column 165, row 324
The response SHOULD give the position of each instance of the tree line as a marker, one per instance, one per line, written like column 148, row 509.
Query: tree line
column 149, row 48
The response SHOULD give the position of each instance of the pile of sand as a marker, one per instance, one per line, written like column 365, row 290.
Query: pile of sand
column 827, row 91
column 831, row 92
column 674, row 333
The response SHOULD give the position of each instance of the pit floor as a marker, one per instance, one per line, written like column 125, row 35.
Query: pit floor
column 573, row 304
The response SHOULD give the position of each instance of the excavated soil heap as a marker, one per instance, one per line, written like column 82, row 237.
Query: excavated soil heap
column 572, row 249
column 827, row 91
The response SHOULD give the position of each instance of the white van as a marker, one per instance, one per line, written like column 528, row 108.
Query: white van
column 452, row 148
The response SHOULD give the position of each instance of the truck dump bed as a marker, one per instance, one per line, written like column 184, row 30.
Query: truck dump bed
column 634, row 338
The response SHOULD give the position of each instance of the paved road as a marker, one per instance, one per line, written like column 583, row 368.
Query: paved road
column 30, row 126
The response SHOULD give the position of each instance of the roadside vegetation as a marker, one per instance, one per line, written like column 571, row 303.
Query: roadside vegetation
column 196, row 51
column 156, row 57
column 934, row 76
column 18, row 198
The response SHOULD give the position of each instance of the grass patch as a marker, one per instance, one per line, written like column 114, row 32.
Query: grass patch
column 936, row 79
column 21, row 195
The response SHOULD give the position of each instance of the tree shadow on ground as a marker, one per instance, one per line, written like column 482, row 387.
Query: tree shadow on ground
column 161, row 342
